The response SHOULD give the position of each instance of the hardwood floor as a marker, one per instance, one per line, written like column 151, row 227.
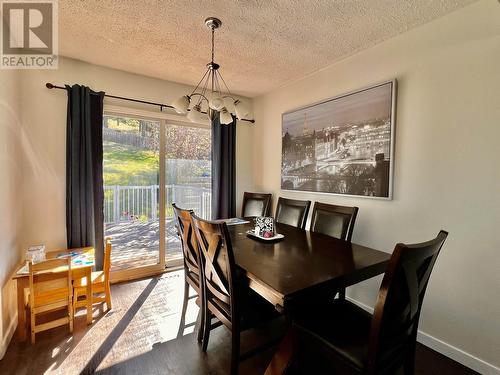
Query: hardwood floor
column 140, row 336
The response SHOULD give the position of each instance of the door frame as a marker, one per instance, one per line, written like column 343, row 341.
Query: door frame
column 164, row 119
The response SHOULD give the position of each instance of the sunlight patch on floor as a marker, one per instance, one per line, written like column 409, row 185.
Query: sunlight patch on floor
column 142, row 319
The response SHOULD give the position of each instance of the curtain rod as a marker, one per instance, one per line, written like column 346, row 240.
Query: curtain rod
column 161, row 105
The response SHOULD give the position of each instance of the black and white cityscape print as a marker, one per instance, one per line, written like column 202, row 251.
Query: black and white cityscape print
column 341, row 146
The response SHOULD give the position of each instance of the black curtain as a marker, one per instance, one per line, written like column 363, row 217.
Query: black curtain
column 223, row 169
column 84, row 190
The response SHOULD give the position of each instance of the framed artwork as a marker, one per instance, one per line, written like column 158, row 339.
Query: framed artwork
column 343, row 145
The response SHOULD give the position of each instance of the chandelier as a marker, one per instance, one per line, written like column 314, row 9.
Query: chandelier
column 212, row 90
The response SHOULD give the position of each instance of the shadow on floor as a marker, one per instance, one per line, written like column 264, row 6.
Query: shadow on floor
column 184, row 355
column 115, row 334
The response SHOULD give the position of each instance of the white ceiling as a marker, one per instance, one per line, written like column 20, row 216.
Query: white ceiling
column 262, row 44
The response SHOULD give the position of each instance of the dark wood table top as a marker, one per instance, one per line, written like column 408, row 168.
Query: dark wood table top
column 303, row 262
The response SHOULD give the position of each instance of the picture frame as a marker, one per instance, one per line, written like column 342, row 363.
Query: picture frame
column 342, row 145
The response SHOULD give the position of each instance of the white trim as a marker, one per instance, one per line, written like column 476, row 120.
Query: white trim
column 450, row 351
column 8, row 336
column 360, row 304
column 457, row 354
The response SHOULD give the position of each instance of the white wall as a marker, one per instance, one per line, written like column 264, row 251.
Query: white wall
column 447, row 172
column 11, row 200
column 44, row 116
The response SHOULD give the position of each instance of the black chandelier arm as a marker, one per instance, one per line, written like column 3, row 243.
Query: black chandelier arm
column 201, row 80
column 204, row 89
column 230, row 97
column 215, row 86
column 213, row 80
column 201, row 95
column 224, row 82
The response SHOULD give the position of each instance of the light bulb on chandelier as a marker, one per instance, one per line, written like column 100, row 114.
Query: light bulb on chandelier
column 216, row 102
column 241, row 109
column 181, row 104
column 195, row 114
column 225, row 117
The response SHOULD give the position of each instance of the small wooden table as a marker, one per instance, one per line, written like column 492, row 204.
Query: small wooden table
column 82, row 263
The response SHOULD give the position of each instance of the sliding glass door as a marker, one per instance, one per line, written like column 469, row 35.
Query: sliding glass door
column 148, row 164
column 188, row 178
column 131, row 176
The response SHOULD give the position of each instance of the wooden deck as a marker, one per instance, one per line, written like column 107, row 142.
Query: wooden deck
column 137, row 243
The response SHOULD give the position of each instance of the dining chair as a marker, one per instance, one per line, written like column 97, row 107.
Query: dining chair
column 256, row 204
column 100, row 283
column 226, row 292
column 49, row 289
column 332, row 220
column 335, row 221
column 340, row 337
column 292, row 212
column 192, row 273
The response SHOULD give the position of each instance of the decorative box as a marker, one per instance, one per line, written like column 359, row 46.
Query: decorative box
column 264, row 226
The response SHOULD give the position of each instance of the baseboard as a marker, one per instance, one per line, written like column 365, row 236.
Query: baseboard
column 450, row 351
column 8, row 335
column 457, row 354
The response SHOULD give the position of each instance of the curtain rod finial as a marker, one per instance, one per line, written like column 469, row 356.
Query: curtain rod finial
column 49, row 85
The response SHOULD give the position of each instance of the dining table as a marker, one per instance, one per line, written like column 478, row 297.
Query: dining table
column 82, row 263
column 302, row 266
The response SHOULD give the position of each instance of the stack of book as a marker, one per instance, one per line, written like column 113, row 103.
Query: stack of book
column 35, row 253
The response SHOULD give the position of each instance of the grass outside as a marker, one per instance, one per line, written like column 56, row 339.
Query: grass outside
column 128, row 165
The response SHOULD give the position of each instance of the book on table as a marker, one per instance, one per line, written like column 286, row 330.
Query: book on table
column 235, row 221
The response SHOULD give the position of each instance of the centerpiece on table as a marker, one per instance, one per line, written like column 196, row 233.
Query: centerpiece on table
column 264, row 229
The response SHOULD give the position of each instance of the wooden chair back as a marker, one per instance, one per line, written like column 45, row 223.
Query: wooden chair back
column 218, row 269
column 397, row 311
column 50, row 288
column 50, row 284
column 189, row 244
column 332, row 220
column 292, row 212
column 256, row 204
column 107, row 258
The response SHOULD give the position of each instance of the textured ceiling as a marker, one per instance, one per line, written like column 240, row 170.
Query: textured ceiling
column 262, row 44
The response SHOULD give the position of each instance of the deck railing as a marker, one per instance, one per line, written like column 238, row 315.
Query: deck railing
column 126, row 203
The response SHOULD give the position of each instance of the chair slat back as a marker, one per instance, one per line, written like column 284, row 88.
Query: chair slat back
column 333, row 220
column 188, row 239
column 219, row 266
column 107, row 258
column 397, row 311
column 292, row 212
column 50, row 282
column 256, row 204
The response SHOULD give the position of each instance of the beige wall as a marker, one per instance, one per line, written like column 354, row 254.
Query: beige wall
column 447, row 172
column 44, row 116
column 11, row 199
